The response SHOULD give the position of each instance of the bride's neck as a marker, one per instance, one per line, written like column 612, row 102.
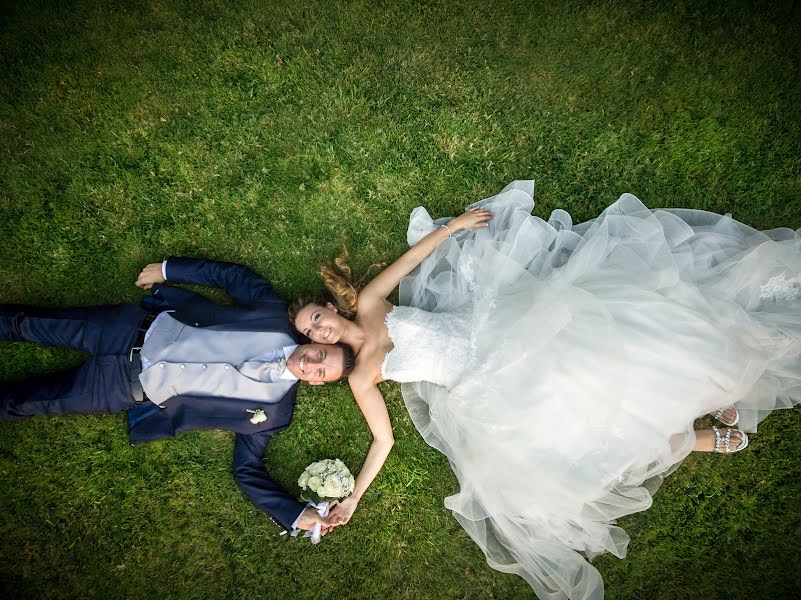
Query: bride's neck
column 354, row 336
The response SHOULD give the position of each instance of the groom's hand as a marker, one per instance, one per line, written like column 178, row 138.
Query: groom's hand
column 309, row 518
column 150, row 274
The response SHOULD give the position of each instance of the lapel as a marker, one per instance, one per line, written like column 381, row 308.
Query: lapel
column 183, row 413
column 148, row 422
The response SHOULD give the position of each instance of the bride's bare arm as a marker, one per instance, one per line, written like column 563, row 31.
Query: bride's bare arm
column 389, row 278
column 374, row 409
column 365, row 391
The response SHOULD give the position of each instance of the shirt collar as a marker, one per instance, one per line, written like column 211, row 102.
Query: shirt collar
column 287, row 374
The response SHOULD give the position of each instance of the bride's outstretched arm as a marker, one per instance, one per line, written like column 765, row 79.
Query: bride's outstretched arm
column 389, row 278
column 374, row 409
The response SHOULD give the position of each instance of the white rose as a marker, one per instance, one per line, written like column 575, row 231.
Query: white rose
column 314, row 484
column 329, row 478
column 333, row 487
column 303, row 480
column 316, row 468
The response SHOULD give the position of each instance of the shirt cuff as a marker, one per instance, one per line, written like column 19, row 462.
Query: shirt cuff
column 164, row 270
column 295, row 522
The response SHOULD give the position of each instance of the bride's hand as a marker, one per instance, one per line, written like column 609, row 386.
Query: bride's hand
column 475, row 218
column 342, row 511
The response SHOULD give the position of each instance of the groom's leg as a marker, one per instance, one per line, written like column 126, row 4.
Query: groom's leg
column 95, row 330
column 100, row 385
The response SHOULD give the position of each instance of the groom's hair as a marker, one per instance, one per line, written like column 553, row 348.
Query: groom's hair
column 348, row 360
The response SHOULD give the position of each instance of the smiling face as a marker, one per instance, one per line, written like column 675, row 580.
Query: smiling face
column 321, row 324
column 317, row 363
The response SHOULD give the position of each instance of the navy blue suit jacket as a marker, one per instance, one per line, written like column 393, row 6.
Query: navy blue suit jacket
column 258, row 308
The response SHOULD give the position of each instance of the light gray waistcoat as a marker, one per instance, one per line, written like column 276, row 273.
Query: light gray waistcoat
column 194, row 361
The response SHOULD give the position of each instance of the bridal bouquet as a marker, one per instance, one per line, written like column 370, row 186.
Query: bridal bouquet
column 322, row 482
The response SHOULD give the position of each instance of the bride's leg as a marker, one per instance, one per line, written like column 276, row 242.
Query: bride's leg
column 705, row 440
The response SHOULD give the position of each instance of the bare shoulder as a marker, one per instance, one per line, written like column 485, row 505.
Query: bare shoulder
column 368, row 303
column 371, row 317
column 364, row 376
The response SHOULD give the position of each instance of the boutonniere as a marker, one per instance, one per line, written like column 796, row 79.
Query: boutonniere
column 259, row 416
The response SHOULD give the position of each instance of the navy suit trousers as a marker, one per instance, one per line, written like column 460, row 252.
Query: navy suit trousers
column 100, row 385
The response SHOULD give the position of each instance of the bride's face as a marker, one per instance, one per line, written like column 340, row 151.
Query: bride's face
column 320, row 324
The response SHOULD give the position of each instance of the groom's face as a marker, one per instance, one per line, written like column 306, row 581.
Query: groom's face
column 317, row 363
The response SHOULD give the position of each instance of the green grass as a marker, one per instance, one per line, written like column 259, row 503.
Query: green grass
column 270, row 132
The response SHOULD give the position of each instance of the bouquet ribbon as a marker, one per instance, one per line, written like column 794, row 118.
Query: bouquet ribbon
column 316, row 533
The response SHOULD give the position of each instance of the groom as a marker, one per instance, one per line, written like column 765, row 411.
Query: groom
column 183, row 362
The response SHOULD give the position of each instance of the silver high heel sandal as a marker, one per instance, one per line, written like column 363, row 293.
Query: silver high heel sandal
column 719, row 414
column 725, row 441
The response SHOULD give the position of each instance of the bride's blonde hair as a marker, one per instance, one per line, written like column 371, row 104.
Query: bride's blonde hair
column 341, row 290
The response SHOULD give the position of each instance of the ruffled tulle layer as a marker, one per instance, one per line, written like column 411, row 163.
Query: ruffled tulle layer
column 593, row 348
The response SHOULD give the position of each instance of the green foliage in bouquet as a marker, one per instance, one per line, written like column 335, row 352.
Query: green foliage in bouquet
column 314, row 497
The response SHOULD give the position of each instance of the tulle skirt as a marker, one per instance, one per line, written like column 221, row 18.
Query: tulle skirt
column 596, row 347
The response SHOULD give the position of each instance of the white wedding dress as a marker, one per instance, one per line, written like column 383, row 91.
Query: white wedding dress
column 560, row 367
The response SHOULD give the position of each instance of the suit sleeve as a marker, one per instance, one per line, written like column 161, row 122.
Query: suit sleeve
column 251, row 476
column 242, row 284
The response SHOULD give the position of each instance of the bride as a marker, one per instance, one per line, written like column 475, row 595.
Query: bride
column 560, row 367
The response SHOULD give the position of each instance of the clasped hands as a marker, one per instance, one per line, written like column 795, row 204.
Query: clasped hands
column 340, row 513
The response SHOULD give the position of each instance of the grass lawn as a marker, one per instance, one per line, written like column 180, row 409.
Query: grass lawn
column 269, row 133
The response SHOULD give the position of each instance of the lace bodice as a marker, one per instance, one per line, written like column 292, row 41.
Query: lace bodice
column 429, row 346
